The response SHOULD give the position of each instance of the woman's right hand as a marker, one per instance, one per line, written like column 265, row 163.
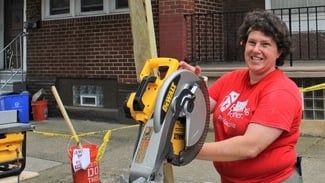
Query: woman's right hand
column 195, row 69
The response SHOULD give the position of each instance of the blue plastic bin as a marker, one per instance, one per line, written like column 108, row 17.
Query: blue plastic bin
column 19, row 102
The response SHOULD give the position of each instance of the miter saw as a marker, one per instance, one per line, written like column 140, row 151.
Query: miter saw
column 172, row 107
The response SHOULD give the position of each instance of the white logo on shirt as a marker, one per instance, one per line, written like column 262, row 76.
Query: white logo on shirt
column 237, row 109
column 240, row 106
column 230, row 99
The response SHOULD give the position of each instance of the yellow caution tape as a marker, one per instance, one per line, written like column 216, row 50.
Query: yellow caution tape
column 103, row 146
column 313, row 88
column 50, row 134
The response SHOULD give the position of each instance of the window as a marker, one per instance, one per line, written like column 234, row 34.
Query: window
column 91, row 5
column 95, row 93
column 314, row 101
column 314, row 105
column 118, row 5
column 88, row 95
column 58, row 9
column 121, row 4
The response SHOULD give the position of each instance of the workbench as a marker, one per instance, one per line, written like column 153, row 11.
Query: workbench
column 13, row 148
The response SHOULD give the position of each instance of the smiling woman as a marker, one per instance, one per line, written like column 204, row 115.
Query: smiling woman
column 261, row 53
column 270, row 26
column 262, row 105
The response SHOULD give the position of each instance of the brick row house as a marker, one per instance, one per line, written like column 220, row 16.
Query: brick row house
column 85, row 48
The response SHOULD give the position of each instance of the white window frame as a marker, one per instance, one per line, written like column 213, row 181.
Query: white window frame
column 46, row 11
column 75, row 10
column 112, row 5
column 89, row 13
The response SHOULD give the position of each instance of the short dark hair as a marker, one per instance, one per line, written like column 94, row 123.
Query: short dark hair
column 270, row 25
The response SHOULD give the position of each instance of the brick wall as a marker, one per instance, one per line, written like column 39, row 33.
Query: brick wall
column 212, row 30
column 208, row 6
column 86, row 47
column 201, row 38
column 242, row 5
column 101, row 46
column 175, row 29
column 172, row 32
column 91, row 47
column 80, row 48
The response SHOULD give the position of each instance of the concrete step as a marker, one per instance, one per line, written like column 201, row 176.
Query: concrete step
column 17, row 75
column 12, row 81
column 15, row 87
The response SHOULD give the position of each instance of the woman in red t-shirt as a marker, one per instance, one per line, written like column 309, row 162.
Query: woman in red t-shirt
column 256, row 111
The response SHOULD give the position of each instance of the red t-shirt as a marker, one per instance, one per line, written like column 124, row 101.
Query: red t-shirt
column 275, row 101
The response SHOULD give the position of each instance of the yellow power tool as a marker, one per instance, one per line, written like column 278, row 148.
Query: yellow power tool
column 172, row 107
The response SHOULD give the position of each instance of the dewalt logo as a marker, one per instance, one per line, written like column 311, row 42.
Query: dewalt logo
column 169, row 97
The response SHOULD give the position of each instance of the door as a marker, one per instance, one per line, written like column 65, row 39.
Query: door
column 13, row 21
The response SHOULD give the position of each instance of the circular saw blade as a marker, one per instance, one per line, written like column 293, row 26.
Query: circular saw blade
column 183, row 96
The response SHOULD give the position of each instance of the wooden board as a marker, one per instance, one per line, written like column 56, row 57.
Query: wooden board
column 143, row 33
column 144, row 47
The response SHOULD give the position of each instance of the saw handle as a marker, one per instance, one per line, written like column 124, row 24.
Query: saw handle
column 165, row 66
column 155, row 63
column 137, row 102
column 140, row 104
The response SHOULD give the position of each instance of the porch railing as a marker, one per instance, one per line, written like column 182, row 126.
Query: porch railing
column 212, row 37
column 12, row 55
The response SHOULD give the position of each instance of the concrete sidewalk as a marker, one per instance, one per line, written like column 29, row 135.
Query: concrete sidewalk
column 47, row 153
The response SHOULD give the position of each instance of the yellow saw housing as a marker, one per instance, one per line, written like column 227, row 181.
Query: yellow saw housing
column 140, row 104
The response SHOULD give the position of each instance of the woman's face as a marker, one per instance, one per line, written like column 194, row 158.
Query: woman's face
column 261, row 53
